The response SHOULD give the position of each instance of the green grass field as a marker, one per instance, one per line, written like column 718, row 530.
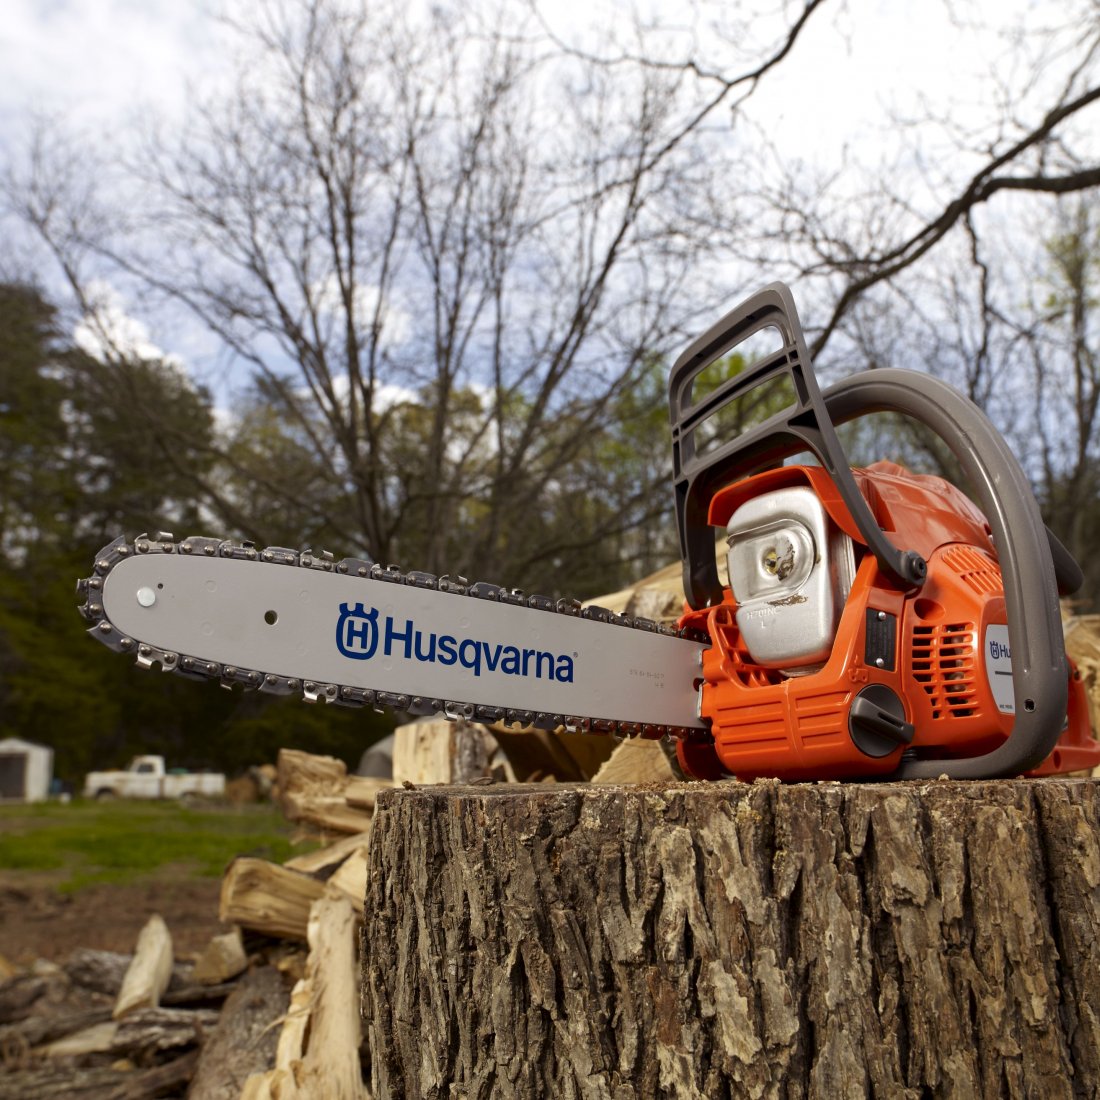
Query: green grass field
column 87, row 842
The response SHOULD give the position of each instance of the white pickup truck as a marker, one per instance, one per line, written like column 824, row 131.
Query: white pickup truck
column 146, row 777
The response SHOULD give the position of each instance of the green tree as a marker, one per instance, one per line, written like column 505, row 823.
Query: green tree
column 89, row 449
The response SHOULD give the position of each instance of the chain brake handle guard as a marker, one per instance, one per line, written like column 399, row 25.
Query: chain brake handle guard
column 1032, row 561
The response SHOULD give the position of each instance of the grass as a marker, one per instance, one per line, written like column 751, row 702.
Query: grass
column 88, row 842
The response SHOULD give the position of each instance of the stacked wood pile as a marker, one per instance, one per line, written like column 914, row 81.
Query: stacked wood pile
column 107, row 1025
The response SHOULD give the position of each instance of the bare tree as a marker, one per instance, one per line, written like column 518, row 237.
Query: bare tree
column 452, row 255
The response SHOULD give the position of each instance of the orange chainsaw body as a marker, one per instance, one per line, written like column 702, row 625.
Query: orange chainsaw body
column 929, row 648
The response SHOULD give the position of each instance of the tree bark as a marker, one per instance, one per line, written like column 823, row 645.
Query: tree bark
column 727, row 940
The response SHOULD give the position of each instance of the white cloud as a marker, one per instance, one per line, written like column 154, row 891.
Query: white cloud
column 102, row 60
column 107, row 329
column 396, row 322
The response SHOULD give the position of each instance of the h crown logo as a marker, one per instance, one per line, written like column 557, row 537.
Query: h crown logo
column 357, row 631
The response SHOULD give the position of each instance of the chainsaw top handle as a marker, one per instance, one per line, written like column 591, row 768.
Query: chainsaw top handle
column 1039, row 669
column 702, row 464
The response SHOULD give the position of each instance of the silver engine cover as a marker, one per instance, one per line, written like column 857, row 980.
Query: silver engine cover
column 791, row 569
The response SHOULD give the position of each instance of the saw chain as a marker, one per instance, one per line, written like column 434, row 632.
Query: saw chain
column 228, row 675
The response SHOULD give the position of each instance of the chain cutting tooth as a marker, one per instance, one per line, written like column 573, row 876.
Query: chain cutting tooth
column 278, row 685
column 111, row 555
column 105, row 632
column 387, row 573
column 162, row 544
column 483, row 590
column 317, row 559
column 596, row 613
column 513, row 596
column 239, row 551
column 149, row 656
column 319, row 693
column 456, row 585
column 568, row 607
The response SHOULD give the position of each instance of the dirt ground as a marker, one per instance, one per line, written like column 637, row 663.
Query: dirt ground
column 37, row 921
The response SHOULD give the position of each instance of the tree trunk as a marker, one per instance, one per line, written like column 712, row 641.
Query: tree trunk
column 727, row 940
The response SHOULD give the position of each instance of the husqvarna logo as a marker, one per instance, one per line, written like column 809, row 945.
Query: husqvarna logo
column 357, row 631
column 358, row 634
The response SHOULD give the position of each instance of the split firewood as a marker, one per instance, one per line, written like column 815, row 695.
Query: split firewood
column 324, row 859
column 150, row 970
column 267, row 898
column 351, row 878
column 1082, row 634
column 330, row 1066
column 95, row 1038
column 318, row 1049
column 362, row 790
column 45, row 1027
column 223, row 958
column 103, row 971
column 157, row 1080
column 183, row 995
column 18, row 995
column 312, row 790
column 637, row 760
column 245, row 1038
column 440, row 751
column 53, row 1082
column 143, row 1032
column 151, row 1030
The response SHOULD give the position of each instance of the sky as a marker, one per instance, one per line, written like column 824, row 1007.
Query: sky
column 100, row 61
column 102, row 65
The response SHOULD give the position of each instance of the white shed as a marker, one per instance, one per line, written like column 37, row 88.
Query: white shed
column 26, row 770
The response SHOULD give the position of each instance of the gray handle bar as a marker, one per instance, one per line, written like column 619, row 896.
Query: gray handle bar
column 1039, row 670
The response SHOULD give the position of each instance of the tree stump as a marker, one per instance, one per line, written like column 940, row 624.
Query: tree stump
column 726, row 940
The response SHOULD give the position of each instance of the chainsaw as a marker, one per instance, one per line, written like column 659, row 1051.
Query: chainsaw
column 876, row 623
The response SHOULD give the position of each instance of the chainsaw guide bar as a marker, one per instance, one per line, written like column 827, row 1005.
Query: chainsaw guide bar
column 356, row 633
